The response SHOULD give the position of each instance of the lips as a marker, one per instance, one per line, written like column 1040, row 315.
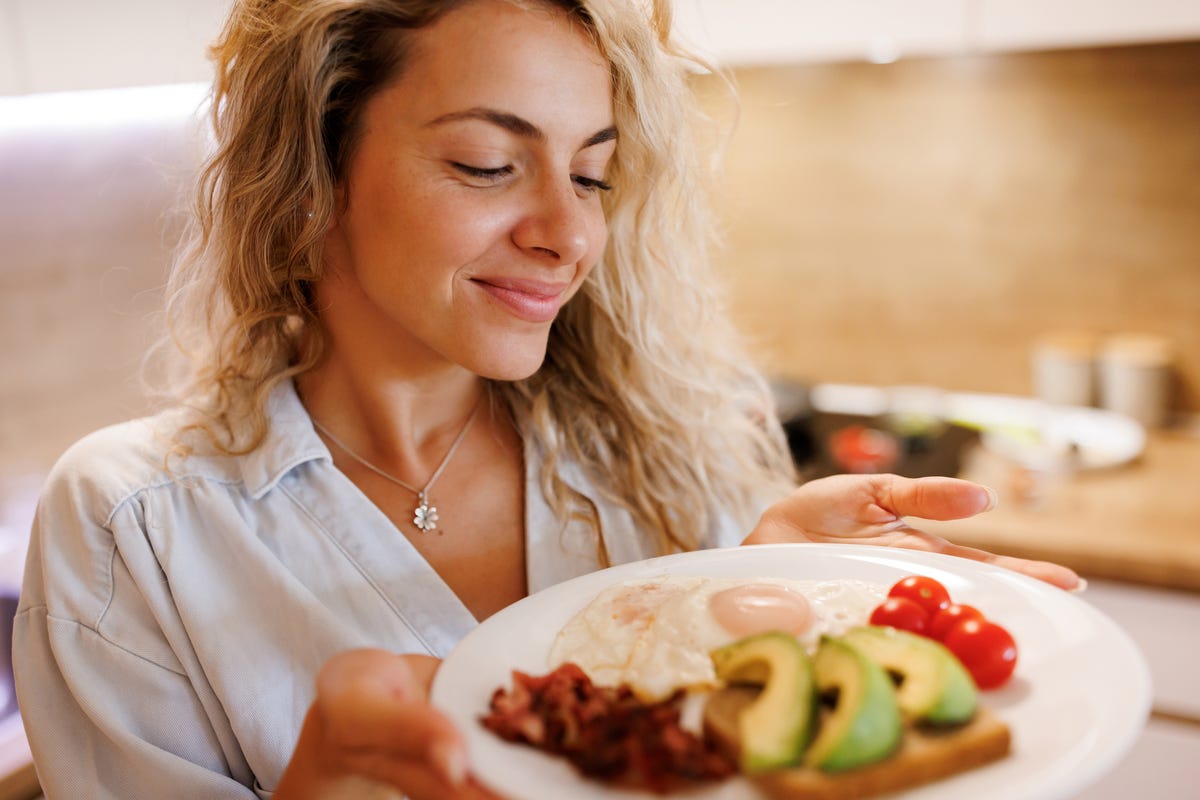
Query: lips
column 529, row 300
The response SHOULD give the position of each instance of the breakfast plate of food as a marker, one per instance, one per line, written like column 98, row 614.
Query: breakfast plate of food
column 796, row 671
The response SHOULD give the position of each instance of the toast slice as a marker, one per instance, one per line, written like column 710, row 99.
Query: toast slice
column 925, row 754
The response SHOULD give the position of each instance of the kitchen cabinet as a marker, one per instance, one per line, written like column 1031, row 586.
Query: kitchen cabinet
column 61, row 45
column 1033, row 24
column 773, row 31
column 10, row 59
column 56, row 45
column 1165, row 624
column 1165, row 761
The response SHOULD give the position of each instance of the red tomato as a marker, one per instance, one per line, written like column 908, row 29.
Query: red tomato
column 902, row 613
column 946, row 618
column 925, row 592
column 985, row 649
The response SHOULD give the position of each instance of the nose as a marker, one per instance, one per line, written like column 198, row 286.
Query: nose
column 557, row 225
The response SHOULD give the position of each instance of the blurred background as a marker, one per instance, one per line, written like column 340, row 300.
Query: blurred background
column 962, row 236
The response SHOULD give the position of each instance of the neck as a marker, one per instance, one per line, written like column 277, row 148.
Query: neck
column 402, row 424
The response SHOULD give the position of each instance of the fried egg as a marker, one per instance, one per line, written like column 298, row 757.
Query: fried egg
column 656, row 635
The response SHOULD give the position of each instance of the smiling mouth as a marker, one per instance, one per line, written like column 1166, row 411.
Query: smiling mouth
column 531, row 301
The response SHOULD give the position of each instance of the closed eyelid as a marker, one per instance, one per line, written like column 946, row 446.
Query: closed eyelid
column 485, row 173
column 592, row 184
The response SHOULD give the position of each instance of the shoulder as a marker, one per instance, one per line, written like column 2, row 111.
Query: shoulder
column 107, row 467
column 95, row 517
column 171, row 449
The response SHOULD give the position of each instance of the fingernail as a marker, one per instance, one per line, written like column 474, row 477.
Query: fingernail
column 1080, row 587
column 993, row 498
column 450, row 761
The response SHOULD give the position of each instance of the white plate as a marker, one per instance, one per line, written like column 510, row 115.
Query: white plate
column 1078, row 700
column 1039, row 435
column 1032, row 433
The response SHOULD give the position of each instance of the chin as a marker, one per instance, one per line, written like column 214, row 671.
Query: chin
column 509, row 358
column 508, row 374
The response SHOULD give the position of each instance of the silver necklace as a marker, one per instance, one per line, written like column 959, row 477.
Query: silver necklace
column 425, row 515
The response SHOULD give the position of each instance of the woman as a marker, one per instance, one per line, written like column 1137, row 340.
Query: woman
column 451, row 341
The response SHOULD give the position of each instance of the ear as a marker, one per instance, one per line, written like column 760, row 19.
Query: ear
column 339, row 207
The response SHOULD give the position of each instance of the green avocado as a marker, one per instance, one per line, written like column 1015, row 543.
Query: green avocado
column 865, row 725
column 934, row 687
column 776, row 727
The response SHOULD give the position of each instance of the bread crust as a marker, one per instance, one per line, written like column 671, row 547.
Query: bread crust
column 925, row 754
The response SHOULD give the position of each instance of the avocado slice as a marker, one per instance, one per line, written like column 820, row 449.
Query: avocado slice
column 934, row 687
column 865, row 725
column 773, row 730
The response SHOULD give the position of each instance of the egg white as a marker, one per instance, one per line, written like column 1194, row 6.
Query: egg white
column 656, row 635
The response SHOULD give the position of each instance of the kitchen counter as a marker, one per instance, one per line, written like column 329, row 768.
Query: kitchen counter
column 1137, row 523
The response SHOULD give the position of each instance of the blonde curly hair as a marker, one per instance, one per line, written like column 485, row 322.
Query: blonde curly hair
column 645, row 385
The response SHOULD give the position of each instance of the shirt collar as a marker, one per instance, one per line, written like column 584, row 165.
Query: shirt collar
column 291, row 441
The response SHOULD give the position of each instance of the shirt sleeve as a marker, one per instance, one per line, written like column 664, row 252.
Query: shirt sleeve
column 109, row 711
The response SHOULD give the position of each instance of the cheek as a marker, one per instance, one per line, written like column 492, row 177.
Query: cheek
column 434, row 233
column 597, row 233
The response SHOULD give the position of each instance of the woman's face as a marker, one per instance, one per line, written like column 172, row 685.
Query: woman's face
column 471, row 207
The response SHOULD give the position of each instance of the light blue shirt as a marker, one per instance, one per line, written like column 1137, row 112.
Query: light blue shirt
column 171, row 626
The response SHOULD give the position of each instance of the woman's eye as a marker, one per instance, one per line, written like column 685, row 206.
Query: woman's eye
column 483, row 173
column 591, row 184
column 496, row 174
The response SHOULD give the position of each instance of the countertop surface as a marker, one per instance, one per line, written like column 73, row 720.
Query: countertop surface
column 1138, row 522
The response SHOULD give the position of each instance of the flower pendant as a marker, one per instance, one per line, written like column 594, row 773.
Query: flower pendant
column 425, row 516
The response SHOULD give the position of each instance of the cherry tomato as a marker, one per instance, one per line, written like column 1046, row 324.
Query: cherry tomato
column 925, row 592
column 985, row 649
column 902, row 613
column 946, row 618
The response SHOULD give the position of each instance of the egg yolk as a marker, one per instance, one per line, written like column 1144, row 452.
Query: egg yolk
column 760, row 607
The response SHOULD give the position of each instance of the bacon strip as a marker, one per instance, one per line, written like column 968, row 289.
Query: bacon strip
column 606, row 733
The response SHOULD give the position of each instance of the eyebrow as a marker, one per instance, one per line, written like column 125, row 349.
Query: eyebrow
column 516, row 125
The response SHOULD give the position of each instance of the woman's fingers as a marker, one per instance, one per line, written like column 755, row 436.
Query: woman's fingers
column 376, row 703
column 405, row 676
column 951, row 498
column 910, row 538
column 1047, row 571
column 423, row 668
column 419, row 781
column 933, row 498
column 875, row 509
column 371, row 722
column 863, row 506
column 1054, row 574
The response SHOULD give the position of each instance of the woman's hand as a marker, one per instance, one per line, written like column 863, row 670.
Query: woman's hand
column 372, row 722
column 871, row 509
